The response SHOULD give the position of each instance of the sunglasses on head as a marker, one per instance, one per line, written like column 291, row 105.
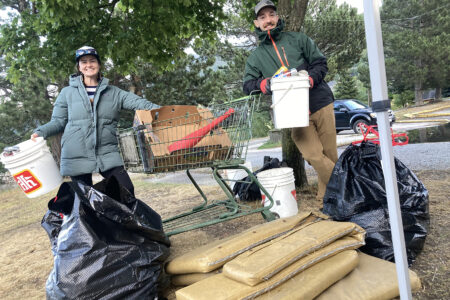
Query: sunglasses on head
column 85, row 52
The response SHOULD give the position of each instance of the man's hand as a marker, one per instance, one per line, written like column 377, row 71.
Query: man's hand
column 34, row 136
column 265, row 86
column 311, row 82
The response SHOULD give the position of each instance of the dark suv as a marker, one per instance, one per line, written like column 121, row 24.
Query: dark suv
column 350, row 112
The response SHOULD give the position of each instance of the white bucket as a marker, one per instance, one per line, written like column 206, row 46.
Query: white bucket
column 290, row 101
column 280, row 184
column 32, row 167
column 237, row 174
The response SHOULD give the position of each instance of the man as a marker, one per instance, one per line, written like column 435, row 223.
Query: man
column 317, row 142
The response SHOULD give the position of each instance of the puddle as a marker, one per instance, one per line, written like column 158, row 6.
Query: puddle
column 430, row 134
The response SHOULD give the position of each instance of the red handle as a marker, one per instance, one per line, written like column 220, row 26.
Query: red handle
column 192, row 139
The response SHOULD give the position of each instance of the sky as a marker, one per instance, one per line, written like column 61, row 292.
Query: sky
column 354, row 3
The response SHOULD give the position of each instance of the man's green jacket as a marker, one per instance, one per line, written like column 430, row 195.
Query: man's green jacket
column 89, row 143
column 296, row 50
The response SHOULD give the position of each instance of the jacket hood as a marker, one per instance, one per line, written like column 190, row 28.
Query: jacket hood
column 264, row 36
column 75, row 81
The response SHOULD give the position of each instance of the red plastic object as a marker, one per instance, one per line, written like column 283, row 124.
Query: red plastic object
column 397, row 138
column 192, row 139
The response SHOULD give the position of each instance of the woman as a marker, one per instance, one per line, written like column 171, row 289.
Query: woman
column 88, row 112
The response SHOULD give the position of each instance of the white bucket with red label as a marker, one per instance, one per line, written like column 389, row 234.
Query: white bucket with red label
column 280, row 184
column 32, row 166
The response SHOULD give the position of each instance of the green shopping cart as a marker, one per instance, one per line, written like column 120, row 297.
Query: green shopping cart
column 183, row 137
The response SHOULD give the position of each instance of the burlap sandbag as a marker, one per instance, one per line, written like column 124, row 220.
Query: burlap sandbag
column 188, row 279
column 212, row 256
column 263, row 262
column 373, row 279
column 311, row 282
column 220, row 287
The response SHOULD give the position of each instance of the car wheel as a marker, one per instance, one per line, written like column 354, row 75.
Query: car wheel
column 356, row 127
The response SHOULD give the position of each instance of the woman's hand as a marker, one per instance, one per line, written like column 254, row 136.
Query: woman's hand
column 34, row 136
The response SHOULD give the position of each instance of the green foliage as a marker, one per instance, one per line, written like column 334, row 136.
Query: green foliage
column 45, row 33
column 362, row 92
column 403, row 99
column 208, row 76
column 261, row 124
column 415, row 36
column 23, row 106
column 338, row 32
column 362, row 69
column 37, row 47
column 346, row 87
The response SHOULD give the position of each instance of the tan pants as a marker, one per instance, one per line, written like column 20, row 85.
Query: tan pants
column 317, row 144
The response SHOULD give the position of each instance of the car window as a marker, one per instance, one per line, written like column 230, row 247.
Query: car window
column 337, row 107
column 354, row 105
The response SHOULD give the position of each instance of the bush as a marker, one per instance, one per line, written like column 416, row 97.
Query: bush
column 403, row 99
column 261, row 124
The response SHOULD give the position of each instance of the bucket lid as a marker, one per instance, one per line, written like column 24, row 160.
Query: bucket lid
column 20, row 150
column 276, row 172
column 293, row 78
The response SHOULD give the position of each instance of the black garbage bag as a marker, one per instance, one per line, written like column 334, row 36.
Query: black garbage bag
column 106, row 244
column 356, row 193
column 248, row 190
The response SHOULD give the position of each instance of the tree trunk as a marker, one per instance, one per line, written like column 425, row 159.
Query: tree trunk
column 418, row 100
column 293, row 12
column 369, row 97
column 293, row 158
column 55, row 147
column 438, row 94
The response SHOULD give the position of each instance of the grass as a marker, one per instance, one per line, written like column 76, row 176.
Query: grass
column 26, row 258
column 269, row 145
column 16, row 210
column 25, row 255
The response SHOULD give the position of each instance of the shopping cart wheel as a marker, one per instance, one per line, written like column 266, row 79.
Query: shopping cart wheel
column 269, row 216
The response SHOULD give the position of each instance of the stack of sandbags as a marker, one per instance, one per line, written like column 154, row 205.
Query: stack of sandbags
column 259, row 261
column 208, row 260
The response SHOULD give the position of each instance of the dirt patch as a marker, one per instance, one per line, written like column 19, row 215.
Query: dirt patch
column 25, row 262
column 432, row 264
column 26, row 259
column 401, row 113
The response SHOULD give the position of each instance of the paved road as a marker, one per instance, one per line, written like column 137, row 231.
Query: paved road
column 427, row 156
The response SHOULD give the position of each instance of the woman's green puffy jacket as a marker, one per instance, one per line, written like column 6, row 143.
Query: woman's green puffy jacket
column 89, row 143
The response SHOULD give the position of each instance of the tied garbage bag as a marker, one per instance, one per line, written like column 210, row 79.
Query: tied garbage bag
column 356, row 193
column 248, row 190
column 106, row 244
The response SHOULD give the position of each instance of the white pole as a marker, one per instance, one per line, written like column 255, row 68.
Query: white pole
column 379, row 93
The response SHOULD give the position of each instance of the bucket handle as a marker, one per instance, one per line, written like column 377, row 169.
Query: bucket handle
column 271, row 196
column 282, row 97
